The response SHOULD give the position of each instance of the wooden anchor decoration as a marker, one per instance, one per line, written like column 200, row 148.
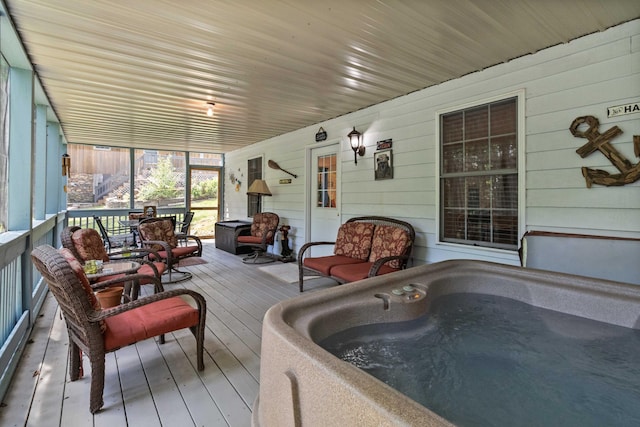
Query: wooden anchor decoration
column 629, row 172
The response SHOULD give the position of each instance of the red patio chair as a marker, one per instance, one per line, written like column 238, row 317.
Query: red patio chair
column 97, row 332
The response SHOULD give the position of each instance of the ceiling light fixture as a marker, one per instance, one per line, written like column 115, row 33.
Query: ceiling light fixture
column 210, row 109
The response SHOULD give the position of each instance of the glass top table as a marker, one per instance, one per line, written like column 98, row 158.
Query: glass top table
column 115, row 267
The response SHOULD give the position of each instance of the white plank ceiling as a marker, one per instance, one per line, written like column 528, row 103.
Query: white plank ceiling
column 138, row 73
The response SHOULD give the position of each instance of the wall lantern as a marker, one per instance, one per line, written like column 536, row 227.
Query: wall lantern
column 66, row 165
column 355, row 139
column 210, row 108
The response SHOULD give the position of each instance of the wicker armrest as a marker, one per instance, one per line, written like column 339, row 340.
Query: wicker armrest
column 373, row 271
column 306, row 246
column 133, row 278
column 165, row 247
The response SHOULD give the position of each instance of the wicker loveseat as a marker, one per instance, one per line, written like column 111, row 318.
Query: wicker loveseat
column 365, row 247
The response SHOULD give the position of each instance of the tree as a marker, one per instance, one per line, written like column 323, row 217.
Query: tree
column 161, row 183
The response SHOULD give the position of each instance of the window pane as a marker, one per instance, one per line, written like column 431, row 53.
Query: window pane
column 452, row 158
column 503, row 150
column 99, row 177
column 254, row 171
column 160, row 178
column 476, row 123
column 4, row 143
column 454, row 225
column 453, row 193
column 503, row 118
column 476, row 156
column 205, row 159
column 326, row 181
column 452, row 128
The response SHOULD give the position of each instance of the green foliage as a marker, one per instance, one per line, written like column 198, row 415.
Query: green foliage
column 161, row 183
column 205, row 189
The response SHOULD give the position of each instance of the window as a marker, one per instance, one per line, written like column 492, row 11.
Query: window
column 254, row 203
column 4, row 143
column 479, row 175
column 99, row 178
column 326, row 175
column 159, row 178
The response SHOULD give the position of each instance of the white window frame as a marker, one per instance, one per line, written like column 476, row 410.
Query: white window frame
column 521, row 161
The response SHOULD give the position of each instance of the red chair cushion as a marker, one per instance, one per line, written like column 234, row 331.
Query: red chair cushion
column 354, row 240
column 389, row 241
column 250, row 239
column 150, row 320
column 146, row 269
column 324, row 264
column 351, row 273
column 179, row 252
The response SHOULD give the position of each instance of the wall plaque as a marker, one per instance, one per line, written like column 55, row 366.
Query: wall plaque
column 621, row 110
column 384, row 144
column 321, row 135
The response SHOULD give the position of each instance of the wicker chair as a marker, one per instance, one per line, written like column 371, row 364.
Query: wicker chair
column 114, row 240
column 85, row 244
column 182, row 229
column 158, row 234
column 263, row 231
column 97, row 332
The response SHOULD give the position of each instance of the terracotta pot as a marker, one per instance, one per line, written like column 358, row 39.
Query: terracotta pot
column 110, row 297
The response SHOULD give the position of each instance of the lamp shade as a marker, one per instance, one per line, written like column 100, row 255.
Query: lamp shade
column 258, row 188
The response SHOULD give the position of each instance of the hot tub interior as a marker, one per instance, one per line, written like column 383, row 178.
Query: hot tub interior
column 484, row 360
column 303, row 383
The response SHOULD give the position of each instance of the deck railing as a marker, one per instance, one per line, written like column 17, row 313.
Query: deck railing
column 21, row 290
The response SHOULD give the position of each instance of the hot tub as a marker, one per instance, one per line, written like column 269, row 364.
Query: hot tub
column 302, row 384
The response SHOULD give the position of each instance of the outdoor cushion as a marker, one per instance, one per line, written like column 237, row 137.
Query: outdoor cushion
column 354, row 240
column 389, row 241
column 351, row 273
column 144, row 269
column 324, row 264
column 89, row 244
column 262, row 224
column 250, row 239
column 148, row 321
column 159, row 230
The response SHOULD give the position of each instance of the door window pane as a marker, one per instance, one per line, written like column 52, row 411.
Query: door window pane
column 326, row 176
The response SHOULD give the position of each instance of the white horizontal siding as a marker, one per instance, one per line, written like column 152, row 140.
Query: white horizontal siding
column 582, row 77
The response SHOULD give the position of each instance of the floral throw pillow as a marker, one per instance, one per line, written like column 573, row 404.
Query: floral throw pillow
column 89, row 245
column 159, row 230
column 354, row 240
column 263, row 223
column 389, row 241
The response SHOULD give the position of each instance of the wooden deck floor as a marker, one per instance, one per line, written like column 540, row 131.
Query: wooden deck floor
column 149, row 384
